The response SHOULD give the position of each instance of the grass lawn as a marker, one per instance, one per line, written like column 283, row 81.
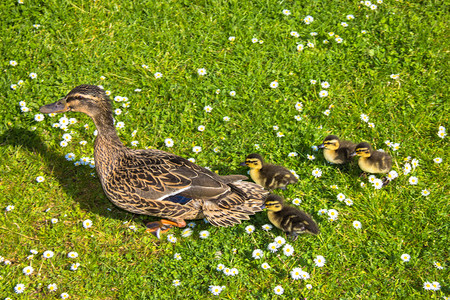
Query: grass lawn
column 279, row 76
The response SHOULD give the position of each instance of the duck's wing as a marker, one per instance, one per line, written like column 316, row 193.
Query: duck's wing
column 157, row 175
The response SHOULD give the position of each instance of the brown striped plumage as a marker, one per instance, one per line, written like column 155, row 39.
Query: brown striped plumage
column 154, row 182
column 372, row 161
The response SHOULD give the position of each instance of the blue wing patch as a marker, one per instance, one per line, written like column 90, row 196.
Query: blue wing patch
column 178, row 199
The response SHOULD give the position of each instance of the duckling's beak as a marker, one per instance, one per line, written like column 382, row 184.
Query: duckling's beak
column 353, row 154
column 321, row 146
column 57, row 107
column 243, row 164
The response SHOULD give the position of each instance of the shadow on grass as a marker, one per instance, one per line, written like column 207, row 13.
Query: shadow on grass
column 76, row 182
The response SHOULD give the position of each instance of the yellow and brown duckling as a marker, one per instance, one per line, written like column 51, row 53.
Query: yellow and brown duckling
column 373, row 161
column 157, row 183
column 337, row 151
column 269, row 176
column 288, row 218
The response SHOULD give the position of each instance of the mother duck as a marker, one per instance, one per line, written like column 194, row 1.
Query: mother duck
column 154, row 182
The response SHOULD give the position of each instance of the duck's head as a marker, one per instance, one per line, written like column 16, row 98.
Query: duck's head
column 88, row 99
column 363, row 149
column 253, row 161
column 331, row 142
column 274, row 202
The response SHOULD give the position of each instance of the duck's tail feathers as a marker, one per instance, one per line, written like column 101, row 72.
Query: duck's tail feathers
column 243, row 200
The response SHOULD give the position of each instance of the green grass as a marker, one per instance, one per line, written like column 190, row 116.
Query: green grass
column 80, row 41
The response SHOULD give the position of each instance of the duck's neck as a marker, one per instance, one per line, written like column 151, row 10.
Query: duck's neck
column 106, row 130
column 108, row 148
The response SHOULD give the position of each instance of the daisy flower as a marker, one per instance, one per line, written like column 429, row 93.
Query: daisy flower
column 39, row 117
column 168, row 142
column 327, row 112
column 40, row 179
column 292, row 154
column 234, row 271
column 171, row 238
column 191, row 159
column 405, row 257
column 442, row 134
column 357, row 224
column 344, row 24
column 176, row 282
column 13, row 63
column 232, row 93
column 9, row 208
column 406, row 169
column 250, row 229
column 323, row 93
column 134, row 143
column 415, row 163
column 279, row 241
column 339, row 40
column 48, row 254
column 322, row 211
column 392, row 175
column 298, row 118
column 274, row 84
column 196, row 149
column 201, row 128
column 319, row 261
column 437, row 160
column 204, row 234
column 296, row 201
column 254, row 40
column 208, row 108
column 74, row 267
column 72, row 255
column 317, row 173
column 310, row 45
column 413, row 180
column 278, row 290
column 341, row 197
column 177, row 256
column 438, row 265
column 299, row 106
column 227, row 271
column 325, row 84
column 32, row 251
column 350, row 17
column 272, row 247
column 295, row 273
column 265, row 266
column 371, row 125
column 24, row 109
column 64, row 296
column 280, row 134
column 33, row 75
column 373, row 7
column 220, row 267
column 54, row 221
column 308, row 20
column 395, row 76
column 425, row 192
column 364, row 118
column 257, row 254
column 187, row 232
column 288, row 250
column 231, row 38
column 52, row 287
column 333, row 214
column 427, row 285
column 267, row 227
column 348, row 202
column 304, row 275
column 377, row 183
column 311, row 157
column 83, row 143
column 158, row 75
column 215, row 289
column 226, row 118
column 201, row 72
column 436, row 286
column 87, row 223
column 19, row 288
column 286, row 12
column 28, row 270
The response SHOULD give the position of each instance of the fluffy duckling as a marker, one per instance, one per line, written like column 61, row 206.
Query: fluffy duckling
column 266, row 175
column 337, row 151
column 289, row 219
column 372, row 161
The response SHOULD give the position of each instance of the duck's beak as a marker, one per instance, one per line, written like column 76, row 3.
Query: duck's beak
column 243, row 164
column 57, row 107
column 321, row 146
column 353, row 154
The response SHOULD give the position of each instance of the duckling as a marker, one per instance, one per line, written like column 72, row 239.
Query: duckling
column 266, row 175
column 372, row 161
column 337, row 151
column 289, row 219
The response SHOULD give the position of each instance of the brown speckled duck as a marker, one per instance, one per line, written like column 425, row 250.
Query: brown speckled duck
column 337, row 151
column 157, row 183
column 266, row 175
